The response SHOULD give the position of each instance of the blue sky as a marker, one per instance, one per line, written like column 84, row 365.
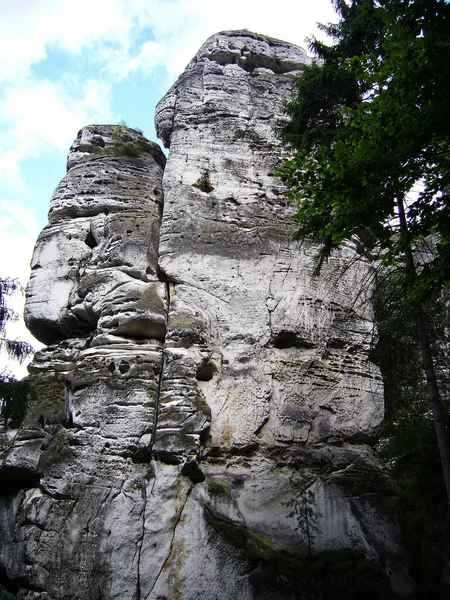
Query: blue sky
column 66, row 64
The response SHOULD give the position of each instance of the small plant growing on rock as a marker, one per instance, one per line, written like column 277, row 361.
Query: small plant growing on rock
column 125, row 144
column 203, row 183
column 304, row 515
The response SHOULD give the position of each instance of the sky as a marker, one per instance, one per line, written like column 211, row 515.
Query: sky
column 66, row 64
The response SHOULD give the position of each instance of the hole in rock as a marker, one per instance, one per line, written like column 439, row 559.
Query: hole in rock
column 68, row 422
column 124, row 367
column 111, row 367
column 288, row 339
column 13, row 479
column 193, row 471
column 244, row 450
column 90, row 240
column 166, row 457
column 142, row 455
column 204, row 435
column 205, row 371
column 337, row 344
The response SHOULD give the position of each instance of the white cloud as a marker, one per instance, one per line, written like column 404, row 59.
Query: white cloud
column 118, row 63
column 181, row 26
column 43, row 116
column 29, row 27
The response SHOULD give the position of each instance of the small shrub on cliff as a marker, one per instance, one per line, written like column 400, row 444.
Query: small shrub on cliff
column 304, row 515
column 128, row 149
column 125, row 144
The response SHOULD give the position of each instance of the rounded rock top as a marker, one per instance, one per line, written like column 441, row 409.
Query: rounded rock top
column 251, row 51
column 93, row 139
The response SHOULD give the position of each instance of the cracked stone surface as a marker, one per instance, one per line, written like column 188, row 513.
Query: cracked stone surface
column 199, row 378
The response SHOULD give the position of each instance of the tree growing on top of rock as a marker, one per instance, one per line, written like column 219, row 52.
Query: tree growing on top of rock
column 13, row 393
column 366, row 125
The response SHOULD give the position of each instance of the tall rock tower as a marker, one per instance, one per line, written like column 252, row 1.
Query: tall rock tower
column 205, row 407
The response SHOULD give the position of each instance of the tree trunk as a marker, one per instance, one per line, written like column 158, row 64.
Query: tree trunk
column 439, row 419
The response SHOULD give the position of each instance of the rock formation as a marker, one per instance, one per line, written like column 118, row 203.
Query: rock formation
column 205, row 407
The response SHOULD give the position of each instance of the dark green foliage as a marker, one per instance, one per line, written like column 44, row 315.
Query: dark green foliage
column 326, row 91
column 421, row 489
column 365, row 127
column 128, row 145
column 408, row 421
column 384, row 129
column 371, row 121
column 14, row 395
column 5, row 595
column 408, row 443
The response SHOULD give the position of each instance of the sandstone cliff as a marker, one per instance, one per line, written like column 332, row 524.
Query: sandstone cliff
column 205, row 406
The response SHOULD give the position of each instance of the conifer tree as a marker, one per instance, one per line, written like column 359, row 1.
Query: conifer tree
column 368, row 122
column 14, row 394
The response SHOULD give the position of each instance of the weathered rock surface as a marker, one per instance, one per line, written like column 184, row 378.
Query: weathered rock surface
column 203, row 414
column 96, row 261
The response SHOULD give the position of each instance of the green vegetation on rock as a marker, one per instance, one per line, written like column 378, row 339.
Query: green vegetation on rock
column 126, row 144
column 280, row 572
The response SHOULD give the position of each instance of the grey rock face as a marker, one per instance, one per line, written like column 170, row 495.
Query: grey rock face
column 203, row 387
column 97, row 258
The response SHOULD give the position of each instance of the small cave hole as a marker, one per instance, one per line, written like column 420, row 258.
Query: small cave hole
column 124, row 367
column 68, row 421
column 111, row 367
column 142, row 455
column 192, row 470
column 205, row 371
column 288, row 339
column 90, row 240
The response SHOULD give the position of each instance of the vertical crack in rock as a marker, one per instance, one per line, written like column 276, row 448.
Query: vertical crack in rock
column 141, row 541
column 161, row 373
column 173, row 533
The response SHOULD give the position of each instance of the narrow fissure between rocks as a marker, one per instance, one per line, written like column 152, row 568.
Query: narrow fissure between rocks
column 141, row 542
column 169, row 554
column 161, row 375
